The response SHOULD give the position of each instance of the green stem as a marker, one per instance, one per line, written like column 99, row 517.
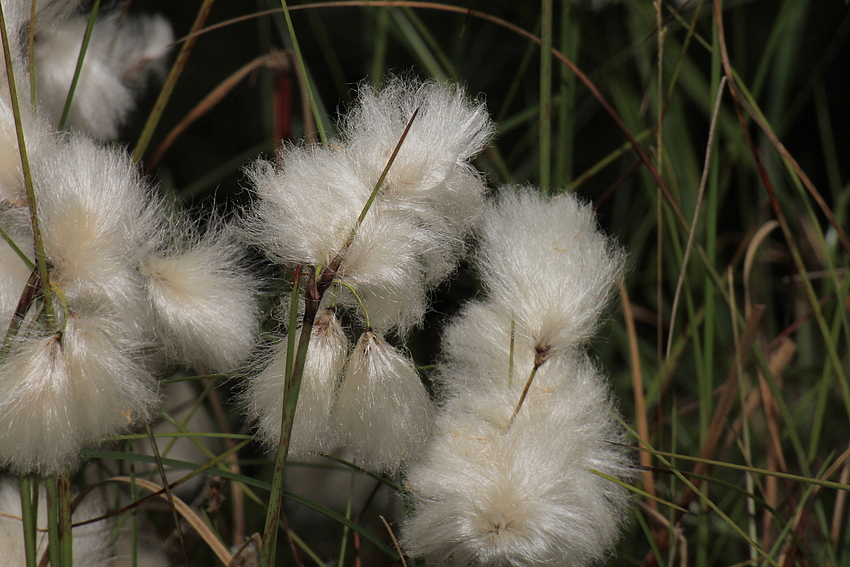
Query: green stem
column 78, row 70
column 545, row 95
column 29, row 516
column 295, row 47
column 171, row 81
column 66, row 538
column 292, row 388
column 40, row 257
column 54, row 547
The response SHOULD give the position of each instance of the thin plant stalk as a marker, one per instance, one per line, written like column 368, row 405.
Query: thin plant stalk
column 54, row 546
column 66, row 539
column 171, row 81
column 29, row 517
column 318, row 283
column 300, row 61
column 78, row 70
column 40, row 256
column 545, row 139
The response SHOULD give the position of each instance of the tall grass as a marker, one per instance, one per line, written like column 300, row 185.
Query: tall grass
column 729, row 346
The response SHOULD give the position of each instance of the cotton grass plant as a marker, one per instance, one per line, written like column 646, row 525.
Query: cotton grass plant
column 577, row 304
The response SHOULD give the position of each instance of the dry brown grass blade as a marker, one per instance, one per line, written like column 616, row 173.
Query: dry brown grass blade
column 188, row 514
column 395, row 540
column 275, row 59
column 639, row 395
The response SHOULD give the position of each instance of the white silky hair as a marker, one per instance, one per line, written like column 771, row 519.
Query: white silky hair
column 64, row 391
column 39, row 142
column 98, row 219
column 312, row 430
column 202, row 296
column 308, row 201
column 547, row 265
column 310, row 198
column 91, row 542
column 494, row 492
column 383, row 412
column 430, row 178
column 121, row 55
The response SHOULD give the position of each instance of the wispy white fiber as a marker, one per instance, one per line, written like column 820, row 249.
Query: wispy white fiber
column 309, row 199
column 384, row 266
column 39, row 145
column 383, row 411
column 67, row 390
column 312, row 430
column 431, row 177
column 91, row 542
column 98, row 217
column 121, row 55
column 203, row 298
column 548, row 265
column 489, row 492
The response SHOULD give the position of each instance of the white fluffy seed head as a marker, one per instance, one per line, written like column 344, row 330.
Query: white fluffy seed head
column 498, row 493
column 203, row 298
column 383, row 264
column 98, row 218
column 383, row 412
column 65, row 391
column 413, row 234
column 547, row 264
column 91, row 542
column 312, row 430
column 308, row 202
column 431, row 178
column 121, row 55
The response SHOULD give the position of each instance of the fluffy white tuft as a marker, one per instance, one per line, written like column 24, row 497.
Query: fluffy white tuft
column 494, row 493
column 546, row 263
column 308, row 202
column 312, row 430
column 431, row 178
column 203, row 299
column 98, row 218
column 91, row 543
column 62, row 392
column 413, row 234
column 121, row 55
column 383, row 411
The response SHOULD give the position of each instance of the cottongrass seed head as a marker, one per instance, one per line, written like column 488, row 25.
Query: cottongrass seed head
column 499, row 493
column 383, row 412
column 309, row 199
column 203, row 297
column 546, row 263
column 122, row 53
column 64, row 391
column 312, row 430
